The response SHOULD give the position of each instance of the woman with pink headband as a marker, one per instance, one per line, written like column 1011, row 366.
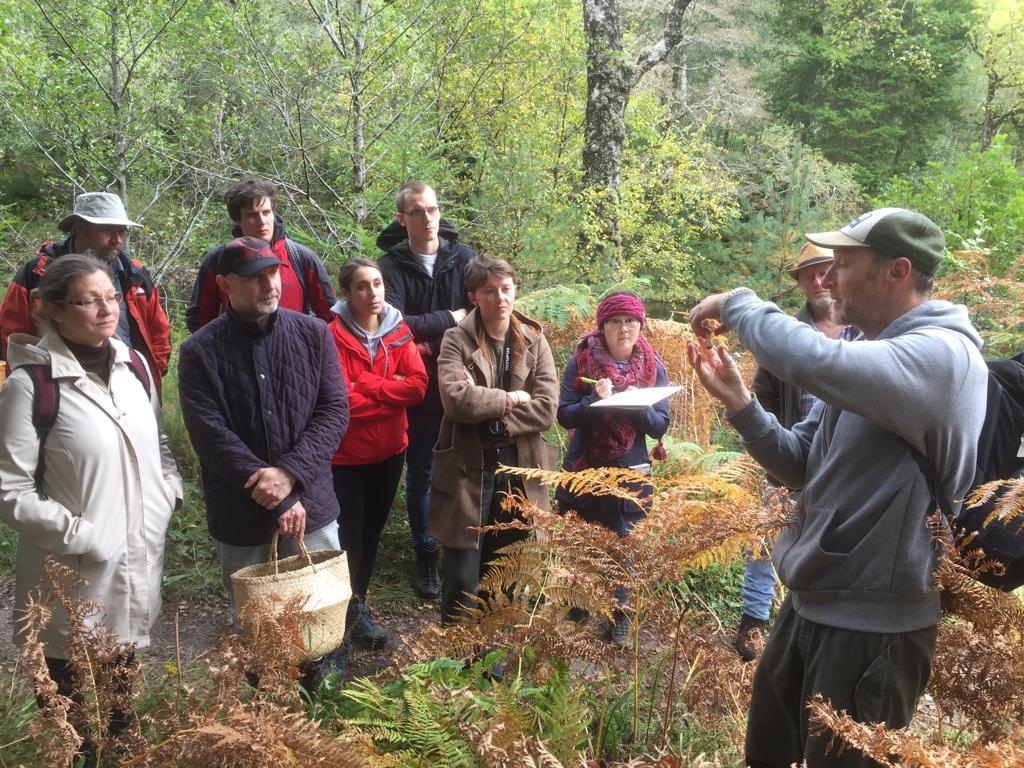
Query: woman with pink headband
column 612, row 358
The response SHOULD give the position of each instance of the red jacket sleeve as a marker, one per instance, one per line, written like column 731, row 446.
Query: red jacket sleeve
column 403, row 392
column 318, row 286
column 207, row 300
column 15, row 315
column 159, row 329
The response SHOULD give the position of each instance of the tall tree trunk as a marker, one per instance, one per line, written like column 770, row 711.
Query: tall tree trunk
column 988, row 126
column 610, row 80
column 118, row 106
column 362, row 19
column 604, row 131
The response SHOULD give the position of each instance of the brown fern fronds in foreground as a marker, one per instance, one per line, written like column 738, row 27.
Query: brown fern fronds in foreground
column 267, row 652
column 956, row 576
column 595, row 481
column 1008, row 496
column 105, row 670
column 894, row 748
column 50, row 728
column 978, row 674
column 259, row 734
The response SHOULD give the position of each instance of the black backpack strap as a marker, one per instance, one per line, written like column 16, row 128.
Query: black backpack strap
column 45, row 406
column 138, row 366
column 298, row 267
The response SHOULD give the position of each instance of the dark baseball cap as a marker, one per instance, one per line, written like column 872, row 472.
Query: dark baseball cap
column 246, row 256
column 893, row 231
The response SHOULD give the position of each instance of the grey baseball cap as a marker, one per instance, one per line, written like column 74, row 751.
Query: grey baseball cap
column 893, row 231
column 98, row 208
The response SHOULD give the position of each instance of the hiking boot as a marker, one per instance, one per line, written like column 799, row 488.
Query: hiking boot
column 315, row 670
column 619, row 632
column 366, row 631
column 336, row 662
column 577, row 615
column 744, row 640
column 425, row 582
column 312, row 672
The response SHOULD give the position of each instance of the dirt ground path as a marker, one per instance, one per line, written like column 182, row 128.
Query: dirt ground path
column 190, row 628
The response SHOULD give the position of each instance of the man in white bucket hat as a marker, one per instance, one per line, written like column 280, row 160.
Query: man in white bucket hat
column 99, row 225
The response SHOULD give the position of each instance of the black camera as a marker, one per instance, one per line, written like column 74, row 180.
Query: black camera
column 493, row 428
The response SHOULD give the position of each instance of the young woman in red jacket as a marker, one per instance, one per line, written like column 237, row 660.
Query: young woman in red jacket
column 385, row 375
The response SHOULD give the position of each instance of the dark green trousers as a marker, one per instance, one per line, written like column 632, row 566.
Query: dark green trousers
column 875, row 677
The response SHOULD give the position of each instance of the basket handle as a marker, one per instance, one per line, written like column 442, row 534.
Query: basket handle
column 273, row 552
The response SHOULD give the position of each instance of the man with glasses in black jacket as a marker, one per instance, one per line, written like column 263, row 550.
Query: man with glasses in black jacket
column 423, row 268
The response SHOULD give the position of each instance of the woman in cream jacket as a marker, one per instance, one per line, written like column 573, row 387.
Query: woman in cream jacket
column 110, row 485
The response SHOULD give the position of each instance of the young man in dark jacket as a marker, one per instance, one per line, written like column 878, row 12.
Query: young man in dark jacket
column 423, row 278
column 98, row 224
column 265, row 406
column 306, row 288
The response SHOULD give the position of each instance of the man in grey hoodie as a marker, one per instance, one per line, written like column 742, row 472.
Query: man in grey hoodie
column 860, row 621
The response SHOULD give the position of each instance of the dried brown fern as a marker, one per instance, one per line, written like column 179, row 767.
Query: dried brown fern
column 259, row 734
column 978, row 674
column 104, row 670
column 994, row 301
column 898, row 748
column 50, row 728
column 595, row 481
column 1008, row 496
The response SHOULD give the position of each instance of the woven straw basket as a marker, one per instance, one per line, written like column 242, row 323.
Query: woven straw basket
column 322, row 576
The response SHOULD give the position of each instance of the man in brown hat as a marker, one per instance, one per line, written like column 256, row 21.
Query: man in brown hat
column 790, row 404
column 98, row 225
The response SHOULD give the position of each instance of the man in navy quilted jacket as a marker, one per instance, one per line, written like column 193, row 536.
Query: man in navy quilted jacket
column 265, row 406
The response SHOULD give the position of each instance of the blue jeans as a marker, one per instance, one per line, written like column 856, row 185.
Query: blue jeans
column 758, row 587
column 419, row 462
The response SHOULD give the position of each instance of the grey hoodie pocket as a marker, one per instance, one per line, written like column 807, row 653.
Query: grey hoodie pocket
column 879, row 548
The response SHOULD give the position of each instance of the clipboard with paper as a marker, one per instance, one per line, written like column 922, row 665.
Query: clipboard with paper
column 636, row 398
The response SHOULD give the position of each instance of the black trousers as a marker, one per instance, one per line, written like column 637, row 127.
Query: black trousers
column 365, row 493
column 875, row 677
column 464, row 568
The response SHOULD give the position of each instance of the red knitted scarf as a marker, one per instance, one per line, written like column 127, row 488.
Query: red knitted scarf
column 612, row 433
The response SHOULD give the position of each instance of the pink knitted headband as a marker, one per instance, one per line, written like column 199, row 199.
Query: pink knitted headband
column 620, row 304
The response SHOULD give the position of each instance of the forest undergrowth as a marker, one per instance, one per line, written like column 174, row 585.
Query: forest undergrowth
column 520, row 684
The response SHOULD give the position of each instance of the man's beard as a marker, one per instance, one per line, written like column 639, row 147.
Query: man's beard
column 821, row 303
column 106, row 255
column 267, row 306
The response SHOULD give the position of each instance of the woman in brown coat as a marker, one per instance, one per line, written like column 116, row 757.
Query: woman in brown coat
column 499, row 389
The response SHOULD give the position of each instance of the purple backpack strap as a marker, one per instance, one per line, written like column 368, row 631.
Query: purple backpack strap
column 45, row 405
column 141, row 372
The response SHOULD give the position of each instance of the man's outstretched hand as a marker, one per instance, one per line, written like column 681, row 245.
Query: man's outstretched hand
column 705, row 317
column 719, row 374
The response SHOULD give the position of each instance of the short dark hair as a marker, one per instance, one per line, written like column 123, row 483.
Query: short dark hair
column 479, row 268
column 923, row 282
column 409, row 188
column 350, row 267
column 247, row 192
column 62, row 273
